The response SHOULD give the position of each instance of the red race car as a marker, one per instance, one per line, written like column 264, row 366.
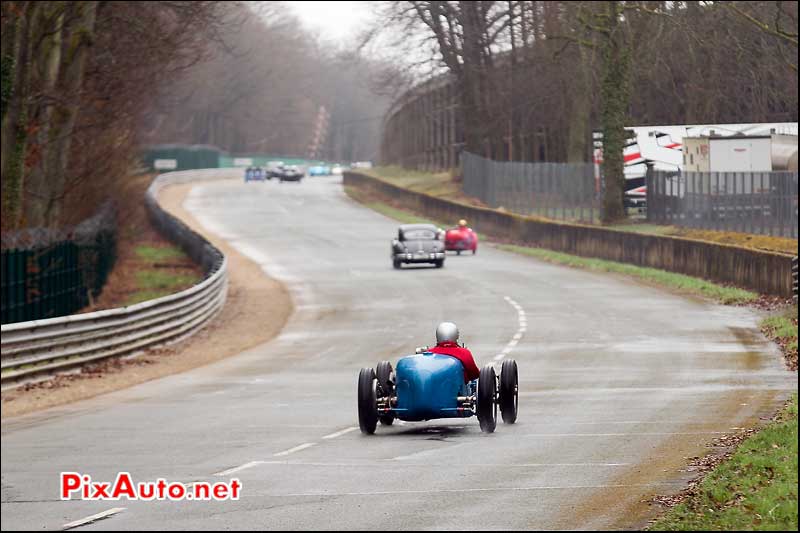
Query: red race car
column 461, row 238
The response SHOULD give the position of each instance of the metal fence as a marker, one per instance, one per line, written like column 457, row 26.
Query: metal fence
column 37, row 349
column 748, row 202
column 565, row 191
column 48, row 273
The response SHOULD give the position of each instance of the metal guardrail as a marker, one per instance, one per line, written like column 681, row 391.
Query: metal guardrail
column 794, row 279
column 39, row 348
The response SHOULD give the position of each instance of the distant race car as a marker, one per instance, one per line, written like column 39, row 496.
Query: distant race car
column 273, row 169
column 428, row 386
column 336, row 170
column 418, row 243
column 254, row 174
column 290, row 173
column 461, row 238
column 319, row 170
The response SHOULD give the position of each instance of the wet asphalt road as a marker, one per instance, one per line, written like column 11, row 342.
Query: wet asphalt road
column 619, row 382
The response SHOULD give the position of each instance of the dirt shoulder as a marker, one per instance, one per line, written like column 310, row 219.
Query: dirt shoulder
column 245, row 322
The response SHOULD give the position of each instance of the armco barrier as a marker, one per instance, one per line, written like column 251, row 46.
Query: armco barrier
column 760, row 271
column 39, row 348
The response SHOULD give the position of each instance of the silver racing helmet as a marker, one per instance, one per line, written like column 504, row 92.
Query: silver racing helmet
column 447, row 331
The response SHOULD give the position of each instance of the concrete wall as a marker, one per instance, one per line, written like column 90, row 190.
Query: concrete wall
column 760, row 271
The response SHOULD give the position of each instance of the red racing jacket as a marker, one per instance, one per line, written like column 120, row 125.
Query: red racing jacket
column 462, row 354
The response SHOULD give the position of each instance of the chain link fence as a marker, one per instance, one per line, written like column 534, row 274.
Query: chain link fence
column 564, row 191
column 762, row 203
column 54, row 272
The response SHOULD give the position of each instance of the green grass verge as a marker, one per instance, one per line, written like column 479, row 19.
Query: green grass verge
column 756, row 489
column 157, row 280
column 156, row 255
column 700, row 287
column 782, row 328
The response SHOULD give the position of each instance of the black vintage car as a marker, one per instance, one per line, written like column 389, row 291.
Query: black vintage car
column 418, row 243
column 290, row 173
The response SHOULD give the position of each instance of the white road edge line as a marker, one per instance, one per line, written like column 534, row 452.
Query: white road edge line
column 339, row 433
column 93, row 518
column 295, row 449
column 239, row 468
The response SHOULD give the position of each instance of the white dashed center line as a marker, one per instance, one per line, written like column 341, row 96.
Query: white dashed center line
column 522, row 328
column 339, row 433
column 295, row 449
column 93, row 518
column 239, row 468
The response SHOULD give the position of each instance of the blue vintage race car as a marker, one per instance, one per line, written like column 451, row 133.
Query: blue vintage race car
column 254, row 174
column 319, row 170
column 426, row 386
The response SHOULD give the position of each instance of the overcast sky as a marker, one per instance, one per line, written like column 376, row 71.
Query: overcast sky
column 333, row 20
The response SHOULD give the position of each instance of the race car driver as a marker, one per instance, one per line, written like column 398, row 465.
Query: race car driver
column 447, row 344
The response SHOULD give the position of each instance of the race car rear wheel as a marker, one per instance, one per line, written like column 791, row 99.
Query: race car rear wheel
column 396, row 263
column 487, row 394
column 509, row 391
column 385, row 388
column 439, row 263
column 367, row 401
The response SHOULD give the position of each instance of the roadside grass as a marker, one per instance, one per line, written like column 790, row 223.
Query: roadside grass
column 681, row 282
column 439, row 184
column 159, row 254
column 782, row 329
column 756, row 489
column 159, row 271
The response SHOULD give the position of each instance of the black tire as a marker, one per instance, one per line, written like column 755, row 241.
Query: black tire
column 439, row 263
column 509, row 391
column 386, row 388
column 487, row 406
column 396, row 263
column 458, row 252
column 367, row 401
column 474, row 251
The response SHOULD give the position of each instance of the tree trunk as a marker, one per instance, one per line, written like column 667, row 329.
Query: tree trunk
column 46, row 194
column 17, row 42
column 48, row 59
column 615, row 93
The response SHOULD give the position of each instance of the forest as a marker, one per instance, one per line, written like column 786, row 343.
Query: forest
column 87, row 85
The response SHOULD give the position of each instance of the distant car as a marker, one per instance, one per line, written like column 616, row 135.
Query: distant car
column 336, row 170
column 319, row 170
column 273, row 168
column 460, row 239
column 418, row 243
column 290, row 173
column 254, row 174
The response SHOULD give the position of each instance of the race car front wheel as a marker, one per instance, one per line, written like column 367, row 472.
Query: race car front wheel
column 487, row 393
column 509, row 391
column 367, row 401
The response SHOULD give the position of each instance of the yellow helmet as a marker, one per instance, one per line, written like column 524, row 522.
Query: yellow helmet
column 462, row 223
